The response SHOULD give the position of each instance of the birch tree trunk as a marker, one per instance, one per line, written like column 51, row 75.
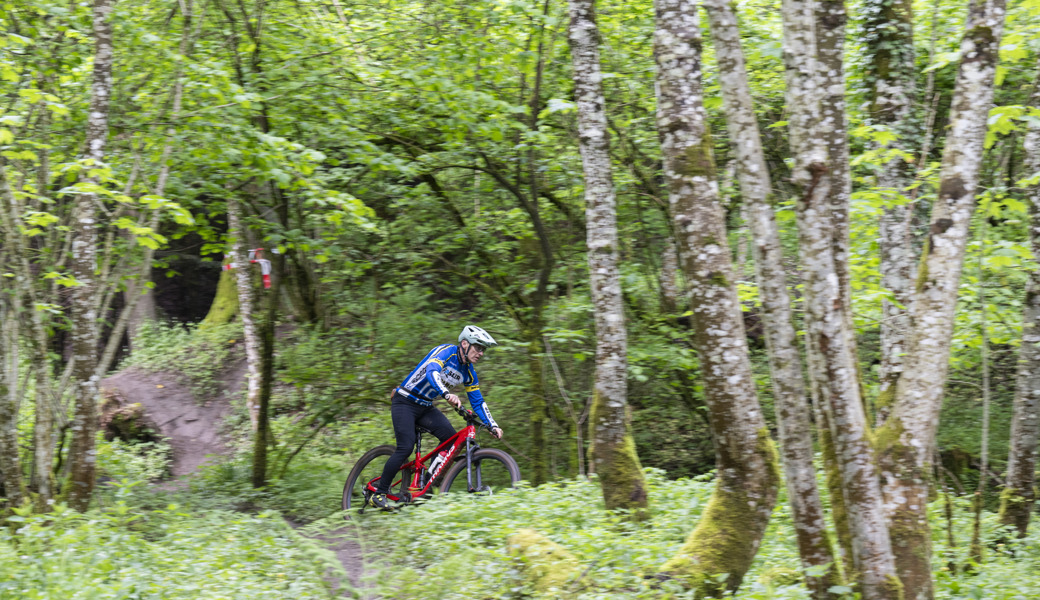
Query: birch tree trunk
column 889, row 37
column 246, row 302
column 731, row 527
column 1019, row 496
column 613, row 449
column 84, row 257
column 833, row 367
column 792, row 403
column 907, row 439
column 10, row 463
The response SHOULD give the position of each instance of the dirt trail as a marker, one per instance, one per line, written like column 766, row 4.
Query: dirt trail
column 193, row 428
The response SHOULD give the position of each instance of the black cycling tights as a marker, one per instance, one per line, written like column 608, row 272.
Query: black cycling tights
column 406, row 415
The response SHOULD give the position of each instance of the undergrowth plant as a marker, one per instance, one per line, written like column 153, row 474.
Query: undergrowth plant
column 455, row 546
column 199, row 354
column 122, row 552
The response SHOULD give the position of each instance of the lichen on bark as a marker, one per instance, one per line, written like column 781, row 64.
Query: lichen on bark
column 905, row 458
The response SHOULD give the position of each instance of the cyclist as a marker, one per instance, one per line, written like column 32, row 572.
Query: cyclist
column 443, row 368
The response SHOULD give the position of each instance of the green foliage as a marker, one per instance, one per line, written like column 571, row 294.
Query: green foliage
column 125, row 553
column 456, row 547
column 123, row 461
column 199, row 354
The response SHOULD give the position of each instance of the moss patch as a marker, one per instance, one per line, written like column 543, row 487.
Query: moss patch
column 547, row 564
column 225, row 303
column 720, row 549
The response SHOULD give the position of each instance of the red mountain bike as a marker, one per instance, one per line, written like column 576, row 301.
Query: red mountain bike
column 487, row 469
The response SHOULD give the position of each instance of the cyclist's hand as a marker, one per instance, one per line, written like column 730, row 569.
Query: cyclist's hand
column 497, row 432
column 453, row 400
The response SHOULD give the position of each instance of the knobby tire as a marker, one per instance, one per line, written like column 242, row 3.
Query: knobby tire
column 354, row 490
column 499, row 459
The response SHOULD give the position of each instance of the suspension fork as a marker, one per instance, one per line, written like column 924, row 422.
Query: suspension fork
column 471, row 446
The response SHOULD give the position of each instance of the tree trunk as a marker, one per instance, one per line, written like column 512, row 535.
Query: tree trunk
column 246, row 302
column 263, row 435
column 670, row 297
column 1019, row 497
column 613, row 449
column 792, row 404
column 13, row 297
column 833, row 367
column 907, row 439
column 10, row 462
column 830, row 18
column 225, row 303
column 731, row 528
column 84, row 256
column 891, row 72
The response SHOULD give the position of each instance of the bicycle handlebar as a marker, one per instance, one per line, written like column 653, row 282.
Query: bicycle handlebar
column 472, row 418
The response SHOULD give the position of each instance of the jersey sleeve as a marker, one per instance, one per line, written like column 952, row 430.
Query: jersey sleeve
column 476, row 400
column 433, row 370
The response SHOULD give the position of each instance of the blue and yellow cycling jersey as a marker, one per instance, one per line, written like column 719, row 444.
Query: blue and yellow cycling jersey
column 438, row 373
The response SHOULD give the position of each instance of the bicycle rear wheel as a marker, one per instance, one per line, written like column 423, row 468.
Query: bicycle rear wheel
column 493, row 470
column 367, row 468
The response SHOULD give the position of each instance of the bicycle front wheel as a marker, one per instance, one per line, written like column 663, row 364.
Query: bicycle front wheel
column 492, row 470
column 369, row 467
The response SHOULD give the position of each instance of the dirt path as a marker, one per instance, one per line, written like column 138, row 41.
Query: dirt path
column 193, row 428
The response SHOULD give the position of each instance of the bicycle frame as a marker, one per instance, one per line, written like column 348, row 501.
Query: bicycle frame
column 467, row 434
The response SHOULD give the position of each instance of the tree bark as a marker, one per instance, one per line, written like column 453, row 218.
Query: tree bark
column 262, row 435
column 889, row 38
column 10, row 463
column 613, row 449
column 792, row 403
column 1019, row 496
column 829, row 34
column 731, row 528
column 246, row 302
column 907, row 439
column 830, row 339
column 14, row 298
column 84, row 313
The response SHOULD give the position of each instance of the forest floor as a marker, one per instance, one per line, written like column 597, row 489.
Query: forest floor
column 194, row 427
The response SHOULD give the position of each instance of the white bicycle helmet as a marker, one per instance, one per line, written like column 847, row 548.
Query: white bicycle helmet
column 476, row 335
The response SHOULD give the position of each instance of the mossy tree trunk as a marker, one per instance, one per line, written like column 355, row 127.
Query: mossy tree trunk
column 833, row 364
column 84, row 305
column 613, row 448
column 224, row 307
column 906, row 441
column 1019, row 497
column 731, row 528
column 792, row 406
